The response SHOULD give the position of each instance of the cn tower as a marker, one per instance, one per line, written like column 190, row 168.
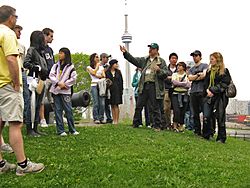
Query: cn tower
column 128, row 105
column 126, row 39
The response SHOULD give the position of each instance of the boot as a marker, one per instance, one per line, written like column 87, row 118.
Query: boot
column 37, row 131
column 30, row 131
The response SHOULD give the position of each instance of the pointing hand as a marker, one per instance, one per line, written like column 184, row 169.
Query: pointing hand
column 123, row 49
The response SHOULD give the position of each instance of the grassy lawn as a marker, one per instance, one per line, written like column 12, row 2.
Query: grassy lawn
column 121, row 156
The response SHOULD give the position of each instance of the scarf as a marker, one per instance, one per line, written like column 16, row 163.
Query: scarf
column 213, row 72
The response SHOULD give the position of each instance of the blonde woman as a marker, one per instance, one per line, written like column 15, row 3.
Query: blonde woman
column 216, row 81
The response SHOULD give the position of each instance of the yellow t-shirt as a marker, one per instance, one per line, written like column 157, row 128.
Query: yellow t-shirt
column 8, row 46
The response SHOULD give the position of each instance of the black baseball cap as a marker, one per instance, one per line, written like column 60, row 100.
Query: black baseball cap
column 196, row 52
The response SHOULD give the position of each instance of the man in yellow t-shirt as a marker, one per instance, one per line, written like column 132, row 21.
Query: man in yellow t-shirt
column 11, row 98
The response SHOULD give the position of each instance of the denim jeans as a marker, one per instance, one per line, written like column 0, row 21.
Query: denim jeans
column 207, row 117
column 63, row 102
column 108, row 111
column 26, row 98
column 98, row 104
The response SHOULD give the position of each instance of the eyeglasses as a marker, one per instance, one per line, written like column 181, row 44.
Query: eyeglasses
column 15, row 16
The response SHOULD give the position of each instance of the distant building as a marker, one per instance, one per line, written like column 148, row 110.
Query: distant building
column 238, row 107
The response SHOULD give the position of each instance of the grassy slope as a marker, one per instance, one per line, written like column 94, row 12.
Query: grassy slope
column 125, row 157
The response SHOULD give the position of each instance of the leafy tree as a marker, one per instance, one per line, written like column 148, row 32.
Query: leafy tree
column 81, row 61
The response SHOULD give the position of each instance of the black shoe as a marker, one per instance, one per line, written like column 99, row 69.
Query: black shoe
column 41, row 133
column 109, row 121
column 135, row 126
column 221, row 141
column 33, row 133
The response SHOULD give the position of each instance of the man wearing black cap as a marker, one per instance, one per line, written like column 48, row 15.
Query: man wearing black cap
column 104, row 57
column 197, row 74
column 151, row 84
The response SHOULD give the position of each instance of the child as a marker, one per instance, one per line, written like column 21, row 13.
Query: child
column 63, row 76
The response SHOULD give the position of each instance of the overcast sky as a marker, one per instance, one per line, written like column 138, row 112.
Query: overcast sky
column 179, row 26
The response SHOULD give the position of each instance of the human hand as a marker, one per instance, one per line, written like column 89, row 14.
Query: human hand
column 62, row 85
column 36, row 68
column 209, row 93
column 16, row 87
column 156, row 68
column 123, row 49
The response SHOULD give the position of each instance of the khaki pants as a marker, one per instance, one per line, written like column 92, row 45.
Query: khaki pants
column 167, row 108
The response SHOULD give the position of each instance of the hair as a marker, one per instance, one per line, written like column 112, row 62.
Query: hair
column 181, row 63
column 67, row 53
column 18, row 27
column 173, row 54
column 37, row 40
column 219, row 62
column 5, row 12
column 46, row 31
column 92, row 60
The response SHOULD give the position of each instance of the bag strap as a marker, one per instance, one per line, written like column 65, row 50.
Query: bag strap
column 182, row 79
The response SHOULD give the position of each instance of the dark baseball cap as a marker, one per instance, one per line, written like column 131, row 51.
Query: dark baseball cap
column 154, row 46
column 104, row 55
column 112, row 62
column 196, row 52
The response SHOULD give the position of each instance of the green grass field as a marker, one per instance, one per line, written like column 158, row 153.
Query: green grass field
column 122, row 156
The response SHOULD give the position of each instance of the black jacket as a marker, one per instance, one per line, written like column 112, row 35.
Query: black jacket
column 33, row 58
column 221, row 82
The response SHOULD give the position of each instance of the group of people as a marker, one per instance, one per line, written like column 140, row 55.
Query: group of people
column 106, row 88
column 26, row 79
column 42, row 79
column 161, row 89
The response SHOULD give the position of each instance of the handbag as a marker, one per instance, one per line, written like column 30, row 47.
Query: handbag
column 231, row 90
column 40, row 86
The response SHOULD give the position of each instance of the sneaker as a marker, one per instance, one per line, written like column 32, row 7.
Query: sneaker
column 75, row 133
column 96, row 121
column 149, row 127
column 30, row 168
column 7, row 167
column 140, row 126
column 43, row 123
column 63, row 134
column 6, row 148
column 65, row 120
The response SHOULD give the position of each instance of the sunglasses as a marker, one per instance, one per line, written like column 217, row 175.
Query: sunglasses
column 15, row 16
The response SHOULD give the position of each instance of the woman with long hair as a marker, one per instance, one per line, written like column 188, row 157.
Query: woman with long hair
column 63, row 77
column 216, row 81
column 35, row 62
column 116, row 89
column 96, row 72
